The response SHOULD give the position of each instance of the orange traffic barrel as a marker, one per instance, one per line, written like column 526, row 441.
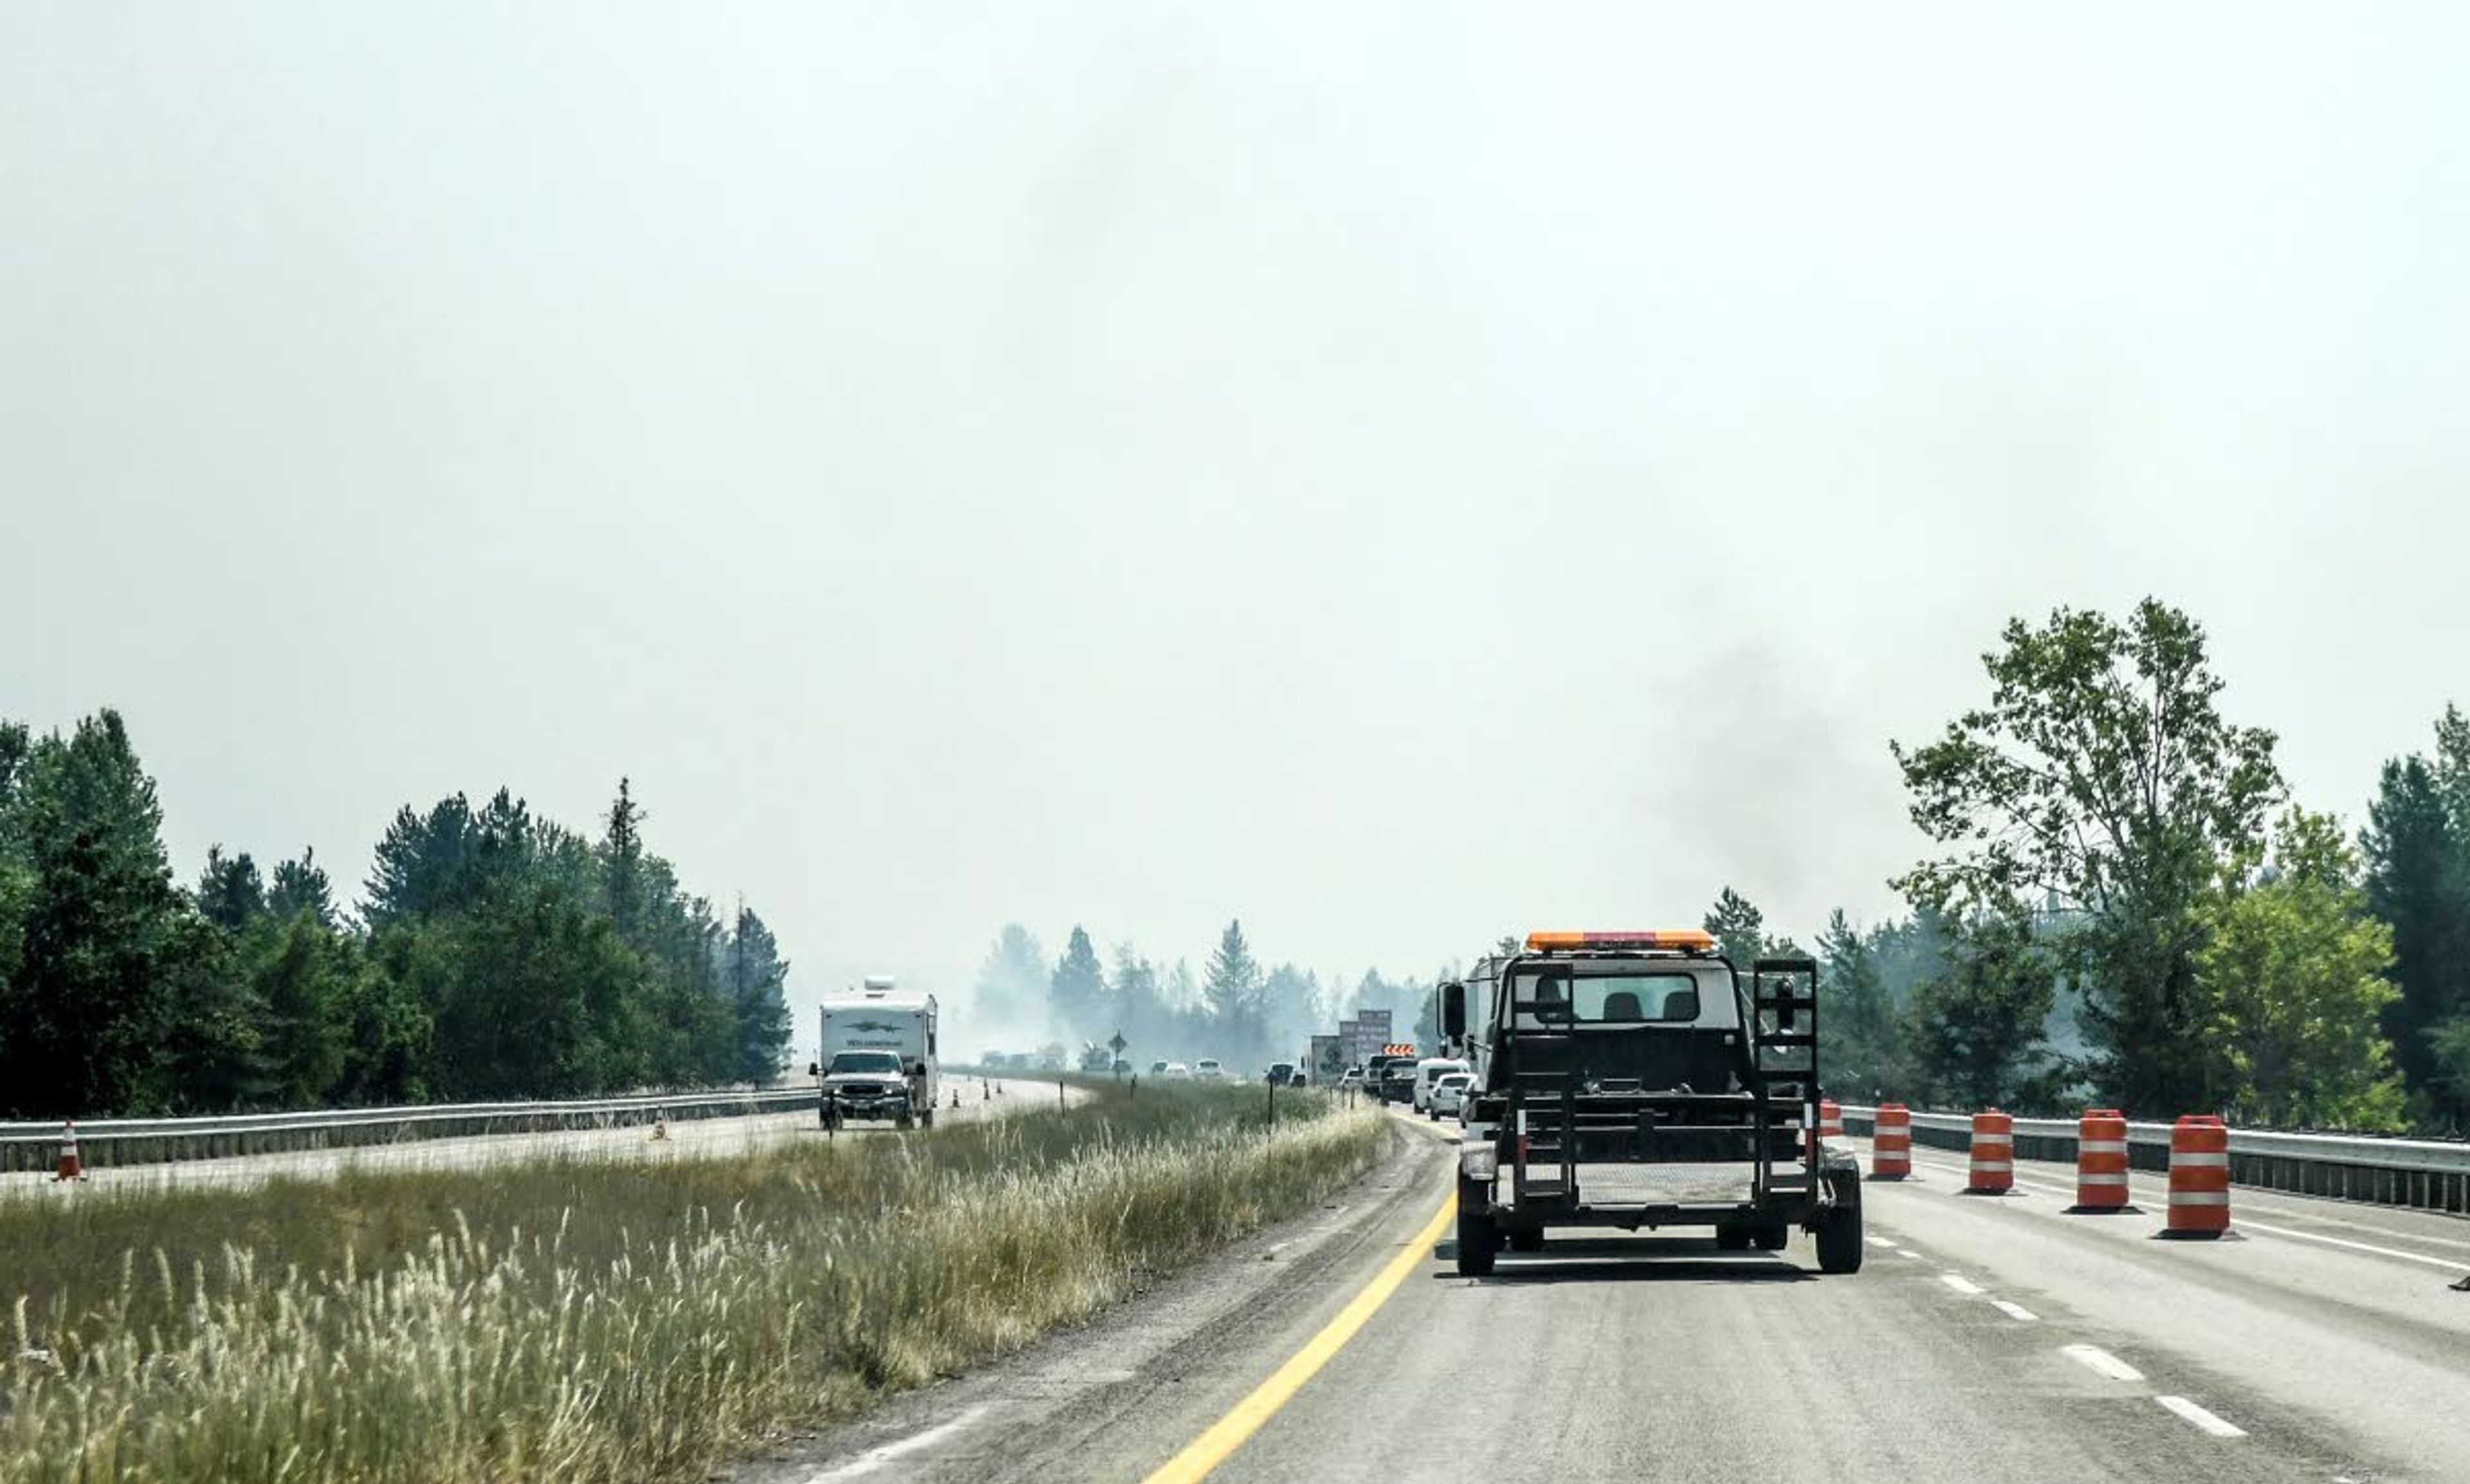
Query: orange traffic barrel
column 2101, row 1160
column 1993, row 1154
column 2200, row 1176
column 1831, row 1119
column 1891, row 1143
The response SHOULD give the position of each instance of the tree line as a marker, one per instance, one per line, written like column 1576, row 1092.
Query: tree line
column 494, row 955
column 2128, row 906
column 1237, row 1007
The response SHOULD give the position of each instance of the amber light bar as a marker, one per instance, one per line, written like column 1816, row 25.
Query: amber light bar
column 1681, row 940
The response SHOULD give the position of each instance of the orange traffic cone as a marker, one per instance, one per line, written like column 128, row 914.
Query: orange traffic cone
column 71, row 1168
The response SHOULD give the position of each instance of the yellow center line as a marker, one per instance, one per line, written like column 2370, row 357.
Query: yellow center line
column 1228, row 1433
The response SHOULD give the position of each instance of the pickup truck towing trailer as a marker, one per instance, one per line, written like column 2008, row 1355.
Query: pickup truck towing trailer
column 1391, row 1076
column 878, row 1057
column 1641, row 1079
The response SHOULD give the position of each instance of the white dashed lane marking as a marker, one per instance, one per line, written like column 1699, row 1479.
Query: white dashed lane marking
column 2093, row 1358
column 2014, row 1310
column 1961, row 1285
column 2202, row 1418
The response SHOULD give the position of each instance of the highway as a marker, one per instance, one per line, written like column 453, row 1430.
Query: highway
column 1987, row 1339
column 686, row 1139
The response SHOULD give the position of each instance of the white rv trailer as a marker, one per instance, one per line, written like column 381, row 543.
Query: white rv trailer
column 878, row 1056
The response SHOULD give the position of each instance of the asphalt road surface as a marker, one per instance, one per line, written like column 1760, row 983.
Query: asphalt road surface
column 1988, row 1339
column 702, row 1138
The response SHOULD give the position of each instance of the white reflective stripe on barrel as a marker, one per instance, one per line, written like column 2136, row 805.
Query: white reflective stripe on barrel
column 2180, row 1157
column 2200, row 1197
column 2102, row 1146
column 1989, row 1166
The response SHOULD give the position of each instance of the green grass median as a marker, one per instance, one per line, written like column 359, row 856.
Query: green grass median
column 606, row 1320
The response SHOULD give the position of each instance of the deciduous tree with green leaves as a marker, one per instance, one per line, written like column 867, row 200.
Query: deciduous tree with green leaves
column 2292, row 977
column 2100, row 778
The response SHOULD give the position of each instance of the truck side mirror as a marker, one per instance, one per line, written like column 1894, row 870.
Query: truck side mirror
column 814, row 1069
column 1454, row 1010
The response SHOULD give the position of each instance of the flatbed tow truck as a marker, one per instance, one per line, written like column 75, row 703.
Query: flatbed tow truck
column 1643, row 1080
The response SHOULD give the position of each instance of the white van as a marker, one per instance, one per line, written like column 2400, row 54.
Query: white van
column 1431, row 1070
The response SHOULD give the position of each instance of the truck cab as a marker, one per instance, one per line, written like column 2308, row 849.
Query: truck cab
column 1641, row 1079
column 879, row 1058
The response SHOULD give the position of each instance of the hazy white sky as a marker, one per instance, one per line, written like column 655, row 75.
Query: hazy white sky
column 1400, row 477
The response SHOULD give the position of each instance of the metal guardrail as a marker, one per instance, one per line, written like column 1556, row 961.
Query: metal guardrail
column 2423, row 1173
column 107, row 1143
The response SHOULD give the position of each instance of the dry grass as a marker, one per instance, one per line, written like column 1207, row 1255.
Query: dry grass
column 606, row 1320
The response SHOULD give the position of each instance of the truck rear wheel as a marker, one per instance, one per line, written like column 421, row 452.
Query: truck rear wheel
column 926, row 1119
column 1839, row 1236
column 1479, row 1243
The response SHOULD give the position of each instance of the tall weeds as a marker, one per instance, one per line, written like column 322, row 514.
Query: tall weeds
column 595, row 1321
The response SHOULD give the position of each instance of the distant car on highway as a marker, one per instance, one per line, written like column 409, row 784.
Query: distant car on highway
column 1448, row 1094
column 1179, row 1072
column 1280, row 1073
column 1299, row 1078
column 1431, row 1070
column 1157, row 1069
column 1351, row 1079
column 1208, row 1071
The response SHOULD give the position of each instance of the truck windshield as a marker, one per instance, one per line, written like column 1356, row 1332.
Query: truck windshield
column 1557, row 996
column 885, row 1062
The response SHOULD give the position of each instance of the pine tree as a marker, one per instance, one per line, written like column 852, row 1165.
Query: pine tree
column 1739, row 927
column 300, row 886
column 2419, row 883
column 1232, row 985
column 229, row 893
column 1856, row 1022
column 757, row 983
column 424, row 865
column 216, row 1044
column 1138, row 1005
column 1975, row 1030
column 621, row 857
column 1078, row 986
column 302, row 974
column 1012, row 982
column 89, row 1004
